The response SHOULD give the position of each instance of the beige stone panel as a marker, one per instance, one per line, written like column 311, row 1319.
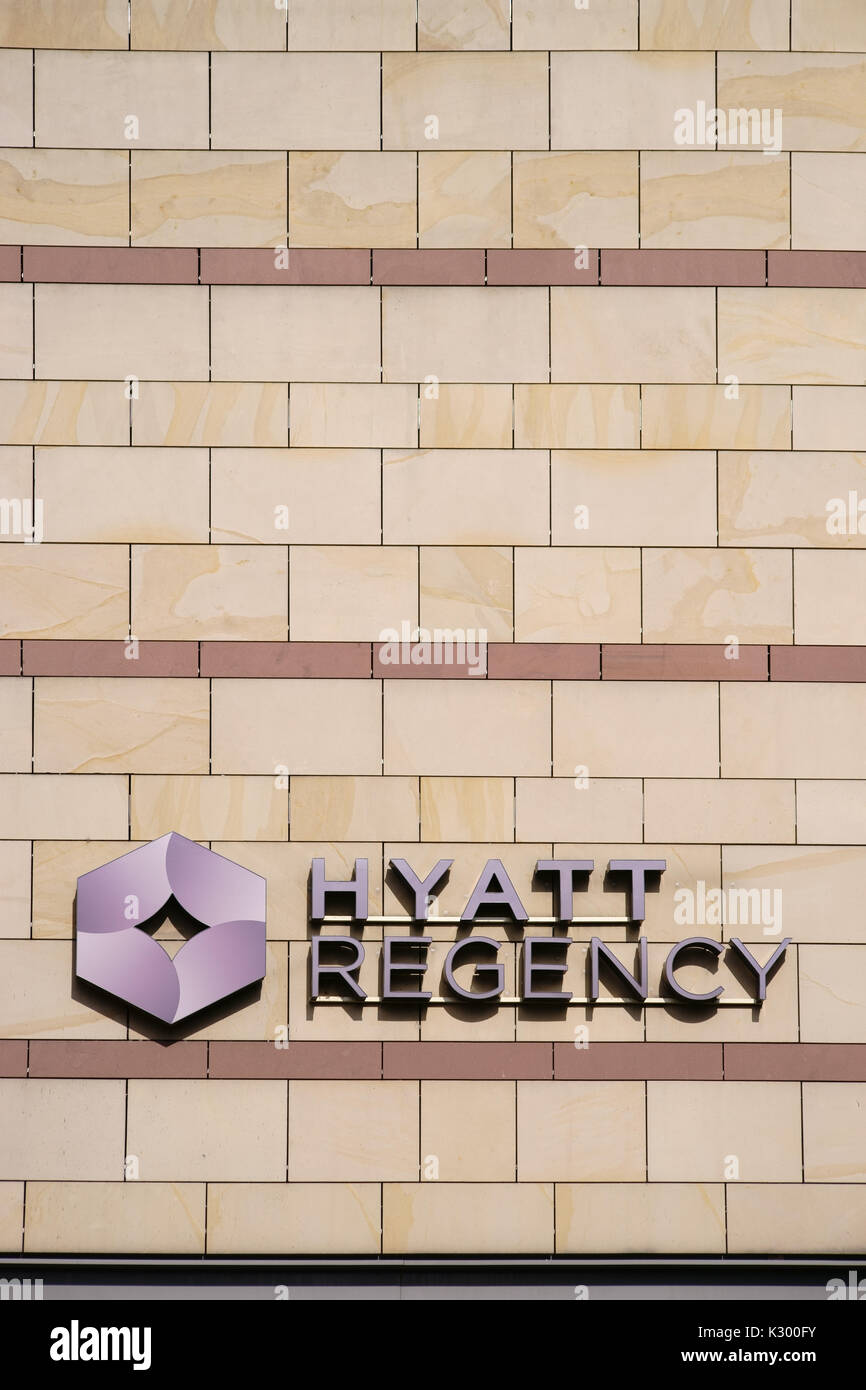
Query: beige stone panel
column 254, row 1015
column 631, row 1219
column 16, row 330
column 695, row 1127
column 546, row 25
column 464, row 198
column 57, row 24
column 344, row 1022
column 465, row 333
column 330, row 495
column 466, row 497
column 15, row 888
column 123, row 494
column 809, row 336
column 776, row 1021
column 821, row 887
column 295, row 332
column 740, row 24
column 207, row 198
column 287, row 868
column 793, row 1219
column 39, row 997
column 216, row 592
column 11, row 1216
column 111, row 724
column 613, row 333
column 714, row 811
column 834, row 1131
column 353, row 1131
column 828, row 202
column 482, row 100
column 318, row 726
column 295, row 101
column 580, row 1131
column 467, row 808
column 467, row 417
column 352, row 593
column 16, row 101
column 84, row 100
column 827, row 597
column 466, row 727
column 468, row 588
column 840, row 26
column 624, row 101
column 214, row 24
column 574, row 595
column 337, row 415
column 115, row 1218
column 63, row 412
column 829, row 417
column 636, row 728
column 355, row 808
column 62, row 1129
column 16, row 707
column 207, row 808
column 64, row 197
column 210, row 413
column 19, row 518
column 352, row 199
column 577, row 417
column 114, row 331
column 708, row 595
column 623, row 497
column 588, row 198
column 822, row 97
column 831, row 812
column 199, row 1131
column 548, row 807
column 463, row 24
column 608, row 895
column 435, row 1218
column 705, row 198
column 64, row 590
column 832, row 993
column 470, row 861
column 57, row 864
column 793, row 730
column 366, row 24
column 311, row 1218
column 468, row 1128
column 705, row 417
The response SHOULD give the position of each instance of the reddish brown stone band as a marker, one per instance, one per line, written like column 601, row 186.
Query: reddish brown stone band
column 128, row 265
column 584, row 661
column 430, row 1061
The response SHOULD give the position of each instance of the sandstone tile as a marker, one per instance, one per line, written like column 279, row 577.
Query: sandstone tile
column 831, row 812
column 166, row 92
column 467, row 808
column 64, row 590
column 548, row 807
column 210, row 198
column 210, row 413
column 828, row 201
column 705, row 417
column 369, row 24
column 622, row 497
column 115, row 1218
column 832, row 995
column 64, row 198
column 355, row 808
column 331, row 415
column 464, row 198
column 468, row 588
column 215, row 25
column 716, row 811
column 352, row 199
column 294, row 659
column 834, row 1121
column 207, row 808
column 16, row 330
column 323, row 495
column 552, row 26
column 468, row 1127
column 15, row 872
column 53, row 24
column 37, row 1001
column 309, row 726
column 463, row 24
column 123, row 494
column 716, row 595
column 464, row 334
column 297, row 333
column 788, row 499
column 294, row 101
column 829, row 417
column 820, row 887
column 466, row 417
column 695, row 1128
column 196, row 1131
column 805, row 336
column 490, row 1218
column 622, row 101
column 580, row 1131
column 11, row 1216
column 793, row 1218
column 577, row 417
column 740, row 24
column 352, row 593
column 623, row 333
column 588, row 198
column 826, row 607
column 300, row 1218
column 631, row 1218
column 573, row 595
column 839, row 27
column 482, row 101
column 107, row 724
column 16, row 104
column 63, row 412
column 821, row 95
column 352, row 1131
column 111, row 332
column 461, row 728
column 218, row 591
column 466, row 497
column 636, row 728
column 62, row 1129
column 698, row 198
column 807, row 730
column 417, row 267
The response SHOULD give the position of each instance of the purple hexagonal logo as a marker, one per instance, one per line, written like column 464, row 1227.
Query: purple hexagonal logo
column 118, row 900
